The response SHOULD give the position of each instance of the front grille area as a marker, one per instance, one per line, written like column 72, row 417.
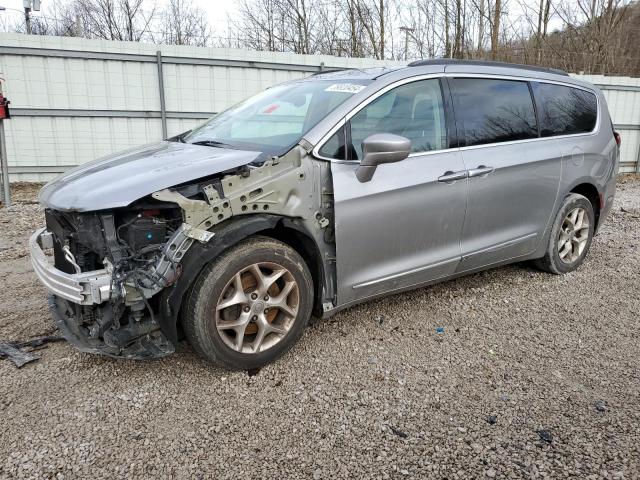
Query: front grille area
column 60, row 233
column 82, row 233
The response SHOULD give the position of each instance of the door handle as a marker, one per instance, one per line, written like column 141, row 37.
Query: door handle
column 481, row 171
column 450, row 176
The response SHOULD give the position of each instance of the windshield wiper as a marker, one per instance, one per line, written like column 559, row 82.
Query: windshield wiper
column 212, row 143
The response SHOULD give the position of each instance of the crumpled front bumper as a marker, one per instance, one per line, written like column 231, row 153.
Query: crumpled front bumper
column 78, row 299
column 83, row 288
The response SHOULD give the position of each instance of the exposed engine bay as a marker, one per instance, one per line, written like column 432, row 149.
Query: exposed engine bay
column 153, row 249
column 129, row 244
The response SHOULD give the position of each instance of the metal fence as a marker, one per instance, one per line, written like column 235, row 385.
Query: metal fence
column 74, row 100
column 623, row 99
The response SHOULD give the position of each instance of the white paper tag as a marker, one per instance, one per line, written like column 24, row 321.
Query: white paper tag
column 345, row 88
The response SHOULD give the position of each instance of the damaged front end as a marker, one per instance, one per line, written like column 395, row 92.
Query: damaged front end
column 118, row 275
column 107, row 268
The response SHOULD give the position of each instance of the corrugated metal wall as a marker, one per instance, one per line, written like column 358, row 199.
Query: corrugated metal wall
column 74, row 100
column 623, row 98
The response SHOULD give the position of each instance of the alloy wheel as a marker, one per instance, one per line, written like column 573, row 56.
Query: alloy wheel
column 257, row 307
column 574, row 234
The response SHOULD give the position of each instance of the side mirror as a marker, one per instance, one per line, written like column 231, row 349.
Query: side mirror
column 381, row 148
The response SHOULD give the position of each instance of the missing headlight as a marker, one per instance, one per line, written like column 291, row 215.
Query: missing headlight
column 144, row 231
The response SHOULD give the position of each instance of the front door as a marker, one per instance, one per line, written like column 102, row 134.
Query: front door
column 403, row 227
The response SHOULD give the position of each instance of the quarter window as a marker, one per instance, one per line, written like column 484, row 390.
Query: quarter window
column 414, row 111
column 335, row 146
column 564, row 110
column 492, row 111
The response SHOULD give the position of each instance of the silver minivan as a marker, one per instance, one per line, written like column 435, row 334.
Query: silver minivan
column 320, row 193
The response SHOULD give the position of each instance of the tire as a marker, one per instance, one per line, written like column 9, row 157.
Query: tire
column 558, row 259
column 228, row 326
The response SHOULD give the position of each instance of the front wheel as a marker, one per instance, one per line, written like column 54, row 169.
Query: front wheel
column 250, row 305
column 571, row 236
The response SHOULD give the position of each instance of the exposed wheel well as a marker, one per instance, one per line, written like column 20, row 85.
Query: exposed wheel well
column 296, row 239
column 307, row 249
column 591, row 193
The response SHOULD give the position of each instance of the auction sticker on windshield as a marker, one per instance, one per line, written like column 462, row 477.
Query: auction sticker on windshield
column 345, row 88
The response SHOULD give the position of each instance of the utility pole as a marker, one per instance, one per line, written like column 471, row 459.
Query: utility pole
column 78, row 26
column 29, row 5
column 6, row 192
column 407, row 31
column 4, row 168
column 27, row 19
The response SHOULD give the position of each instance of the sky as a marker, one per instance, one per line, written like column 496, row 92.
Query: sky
column 217, row 10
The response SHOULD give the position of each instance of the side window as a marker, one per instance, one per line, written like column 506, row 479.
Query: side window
column 335, row 146
column 414, row 110
column 565, row 110
column 491, row 111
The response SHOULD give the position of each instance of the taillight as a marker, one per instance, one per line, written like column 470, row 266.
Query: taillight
column 618, row 138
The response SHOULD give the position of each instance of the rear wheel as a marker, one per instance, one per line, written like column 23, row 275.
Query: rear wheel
column 250, row 305
column 571, row 236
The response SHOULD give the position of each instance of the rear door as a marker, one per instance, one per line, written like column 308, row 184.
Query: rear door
column 513, row 175
column 403, row 227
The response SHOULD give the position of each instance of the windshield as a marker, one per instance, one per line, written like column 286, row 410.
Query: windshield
column 275, row 120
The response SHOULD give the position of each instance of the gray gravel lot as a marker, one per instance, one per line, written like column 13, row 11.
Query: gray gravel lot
column 374, row 392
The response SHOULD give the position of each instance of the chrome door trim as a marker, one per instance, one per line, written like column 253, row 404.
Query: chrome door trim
column 316, row 150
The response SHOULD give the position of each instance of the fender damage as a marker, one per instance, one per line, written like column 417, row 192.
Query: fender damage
column 146, row 255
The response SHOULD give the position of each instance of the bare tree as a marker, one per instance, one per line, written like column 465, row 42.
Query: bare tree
column 495, row 28
column 329, row 24
column 354, row 31
column 257, row 25
column 300, row 18
column 447, row 29
column 110, row 19
column 182, row 23
column 594, row 36
column 481, row 24
column 543, row 25
column 373, row 18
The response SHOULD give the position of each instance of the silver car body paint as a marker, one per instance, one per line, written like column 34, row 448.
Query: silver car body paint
column 119, row 179
column 417, row 223
column 404, row 228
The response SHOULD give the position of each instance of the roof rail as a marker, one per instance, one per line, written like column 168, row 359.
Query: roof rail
column 330, row 70
column 485, row 63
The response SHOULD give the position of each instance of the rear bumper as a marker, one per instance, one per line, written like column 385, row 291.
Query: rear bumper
column 607, row 198
column 83, row 288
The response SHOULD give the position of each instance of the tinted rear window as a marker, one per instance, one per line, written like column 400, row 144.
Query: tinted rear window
column 565, row 110
column 490, row 111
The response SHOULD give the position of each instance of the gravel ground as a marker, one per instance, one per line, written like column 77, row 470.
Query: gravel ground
column 533, row 376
